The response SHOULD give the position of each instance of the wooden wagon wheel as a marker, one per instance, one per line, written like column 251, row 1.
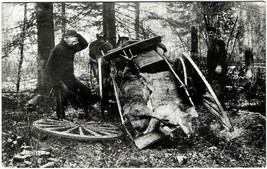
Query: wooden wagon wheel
column 79, row 130
column 210, row 100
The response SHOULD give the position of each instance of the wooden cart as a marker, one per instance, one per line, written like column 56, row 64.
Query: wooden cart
column 130, row 52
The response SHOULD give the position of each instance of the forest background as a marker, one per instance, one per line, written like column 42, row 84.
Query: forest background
column 242, row 25
column 31, row 30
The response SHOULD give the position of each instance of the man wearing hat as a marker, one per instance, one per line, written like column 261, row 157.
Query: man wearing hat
column 60, row 68
column 216, row 59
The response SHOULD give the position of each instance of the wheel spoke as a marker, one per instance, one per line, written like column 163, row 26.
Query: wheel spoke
column 111, row 131
column 101, row 131
column 99, row 125
column 71, row 129
column 92, row 132
column 81, row 131
column 211, row 105
column 108, row 128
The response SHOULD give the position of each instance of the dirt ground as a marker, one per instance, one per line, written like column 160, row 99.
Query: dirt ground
column 212, row 146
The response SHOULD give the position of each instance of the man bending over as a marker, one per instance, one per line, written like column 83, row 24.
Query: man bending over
column 66, row 87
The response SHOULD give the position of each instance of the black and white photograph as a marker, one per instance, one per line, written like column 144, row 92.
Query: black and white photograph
column 133, row 84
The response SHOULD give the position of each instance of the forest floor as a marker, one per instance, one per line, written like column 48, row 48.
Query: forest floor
column 210, row 147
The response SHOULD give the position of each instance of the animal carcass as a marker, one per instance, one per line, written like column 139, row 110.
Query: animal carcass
column 151, row 99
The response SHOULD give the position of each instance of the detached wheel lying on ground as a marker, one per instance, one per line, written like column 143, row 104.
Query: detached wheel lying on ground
column 79, row 130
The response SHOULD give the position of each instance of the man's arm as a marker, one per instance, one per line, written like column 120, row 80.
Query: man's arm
column 82, row 43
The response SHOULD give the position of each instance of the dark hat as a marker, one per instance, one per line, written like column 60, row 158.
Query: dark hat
column 213, row 29
column 71, row 33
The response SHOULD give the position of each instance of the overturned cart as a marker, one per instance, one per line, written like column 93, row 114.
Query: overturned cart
column 156, row 97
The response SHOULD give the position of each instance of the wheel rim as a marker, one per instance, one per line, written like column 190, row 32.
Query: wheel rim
column 78, row 130
column 222, row 115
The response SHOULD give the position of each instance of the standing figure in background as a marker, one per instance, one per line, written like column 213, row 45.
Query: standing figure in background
column 216, row 60
column 60, row 68
column 96, row 50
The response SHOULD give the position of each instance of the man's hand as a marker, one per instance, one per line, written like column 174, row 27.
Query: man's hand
column 64, row 87
column 218, row 69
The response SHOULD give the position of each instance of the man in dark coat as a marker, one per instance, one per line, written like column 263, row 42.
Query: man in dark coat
column 216, row 59
column 61, row 71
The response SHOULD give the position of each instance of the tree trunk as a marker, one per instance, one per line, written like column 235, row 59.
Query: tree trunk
column 63, row 18
column 45, row 33
column 248, row 31
column 109, row 27
column 22, row 36
column 136, row 22
column 105, row 18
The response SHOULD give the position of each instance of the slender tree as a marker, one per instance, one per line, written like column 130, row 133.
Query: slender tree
column 21, row 49
column 63, row 16
column 109, row 27
column 45, row 33
column 137, row 22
